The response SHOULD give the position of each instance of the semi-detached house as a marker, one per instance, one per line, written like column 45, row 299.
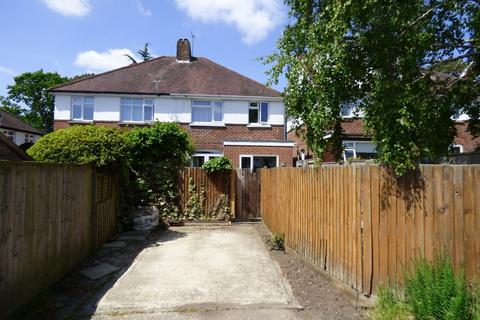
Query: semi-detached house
column 224, row 112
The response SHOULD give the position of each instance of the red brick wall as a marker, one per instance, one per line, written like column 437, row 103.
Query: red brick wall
column 211, row 137
column 284, row 153
column 464, row 138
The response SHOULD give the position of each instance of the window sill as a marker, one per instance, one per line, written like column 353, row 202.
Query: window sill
column 80, row 121
column 259, row 125
column 134, row 123
column 207, row 124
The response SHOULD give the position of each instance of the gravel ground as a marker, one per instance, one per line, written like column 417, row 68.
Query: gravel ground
column 315, row 291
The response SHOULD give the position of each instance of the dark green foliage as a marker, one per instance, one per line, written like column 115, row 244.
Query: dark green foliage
column 91, row 144
column 157, row 153
column 218, row 164
column 195, row 202
column 144, row 53
column 383, row 57
column 434, row 291
column 277, row 242
column 31, row 89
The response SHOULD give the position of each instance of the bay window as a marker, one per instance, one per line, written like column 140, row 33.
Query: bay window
column 207, row 111
column 137, row 110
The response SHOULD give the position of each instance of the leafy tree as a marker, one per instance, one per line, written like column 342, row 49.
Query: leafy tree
column 81, row 76
column 144, row 53
column 383, row 57
column 11, row 107
column 31, row 89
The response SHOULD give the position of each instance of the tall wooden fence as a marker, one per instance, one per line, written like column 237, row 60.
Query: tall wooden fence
column 362, row 225
column 50, row 219
column 213, row 185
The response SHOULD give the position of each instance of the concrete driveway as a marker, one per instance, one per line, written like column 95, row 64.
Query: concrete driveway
column 202, row 273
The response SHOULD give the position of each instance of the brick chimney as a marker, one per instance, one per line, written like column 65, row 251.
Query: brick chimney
column 184, row 53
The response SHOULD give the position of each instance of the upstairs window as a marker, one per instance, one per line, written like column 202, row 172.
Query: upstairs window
column 258, row 112
column 82, row 108
column 137, row 110
column 207, row 111
column 29, row 138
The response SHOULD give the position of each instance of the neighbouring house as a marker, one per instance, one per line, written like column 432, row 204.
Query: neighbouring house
column 17, row 131
column 10, row 151
column 224, row 112
column 357, row 144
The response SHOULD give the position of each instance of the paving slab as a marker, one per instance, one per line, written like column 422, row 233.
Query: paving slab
column 99, row 271
column 202, row 273
column 114, row 244
column 134, row 235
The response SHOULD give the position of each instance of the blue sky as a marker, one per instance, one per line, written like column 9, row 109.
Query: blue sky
column 77, row 36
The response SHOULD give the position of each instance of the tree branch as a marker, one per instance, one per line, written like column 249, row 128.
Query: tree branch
column 426, row 13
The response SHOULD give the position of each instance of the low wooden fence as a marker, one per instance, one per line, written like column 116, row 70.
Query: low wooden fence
column 362, row 225
column 214, row 185
column 50, row 219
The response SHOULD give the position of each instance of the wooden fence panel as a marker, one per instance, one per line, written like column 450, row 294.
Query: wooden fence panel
column 363, row 226
column 247, row 195
column 47, row 215
column 214, row 185
column 107, row 203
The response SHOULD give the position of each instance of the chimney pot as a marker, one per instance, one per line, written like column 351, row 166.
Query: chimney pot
column 184, row 53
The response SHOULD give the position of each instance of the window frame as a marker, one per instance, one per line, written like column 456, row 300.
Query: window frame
column 456, row 145
column 258, row 107
column 211, row 106
column 252, row 156
column 29, row 138
column 82, row 105
column 10, row 134
column 206, row 156
column 352, row 149
column 144, row 105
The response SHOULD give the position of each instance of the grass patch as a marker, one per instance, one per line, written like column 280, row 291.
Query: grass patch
column 276, row 242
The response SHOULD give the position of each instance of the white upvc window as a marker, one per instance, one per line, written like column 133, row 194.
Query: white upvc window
column 456, row 148
column 358, row 149
column 199, row 158
column 82, row 108
column 137, row 110
column 258, row 112
column 207, row 111
column 254, row 162
column 29, row 138
column 10, row 135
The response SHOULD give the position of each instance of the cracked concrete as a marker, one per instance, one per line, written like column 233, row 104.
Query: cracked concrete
column 202, row 273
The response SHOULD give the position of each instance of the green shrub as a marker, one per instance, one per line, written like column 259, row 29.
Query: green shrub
column 157, row 153
column 434, row 291
column 101, row 146
column 218, row 164
column 277, row 242
column 195, row 202
column 431, row 290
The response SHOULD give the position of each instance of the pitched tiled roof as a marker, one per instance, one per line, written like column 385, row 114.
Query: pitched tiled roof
column 164, row 75
column 9, row 121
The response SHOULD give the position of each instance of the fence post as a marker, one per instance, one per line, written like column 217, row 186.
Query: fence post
column 93, row 211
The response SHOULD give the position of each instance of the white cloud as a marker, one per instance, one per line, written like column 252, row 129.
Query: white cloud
column 143, row 11
column 69, row 8
column 10, row 72
column 253, row 18
column 95, row 61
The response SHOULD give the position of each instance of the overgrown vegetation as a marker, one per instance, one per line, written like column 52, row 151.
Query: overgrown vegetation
column 390, row 59
column 432, row 290
column 195, row 202
column 218, row 164
column 157, row 153
column 276, row 242
column 102, row 146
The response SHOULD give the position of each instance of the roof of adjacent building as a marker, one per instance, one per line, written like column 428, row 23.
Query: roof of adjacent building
column 10, row 151
column 165, row 75
column 9, row 121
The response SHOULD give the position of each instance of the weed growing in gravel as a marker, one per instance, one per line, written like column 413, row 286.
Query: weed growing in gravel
column 276, row 242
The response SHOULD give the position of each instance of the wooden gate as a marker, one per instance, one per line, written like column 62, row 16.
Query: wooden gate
column 247, row 195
